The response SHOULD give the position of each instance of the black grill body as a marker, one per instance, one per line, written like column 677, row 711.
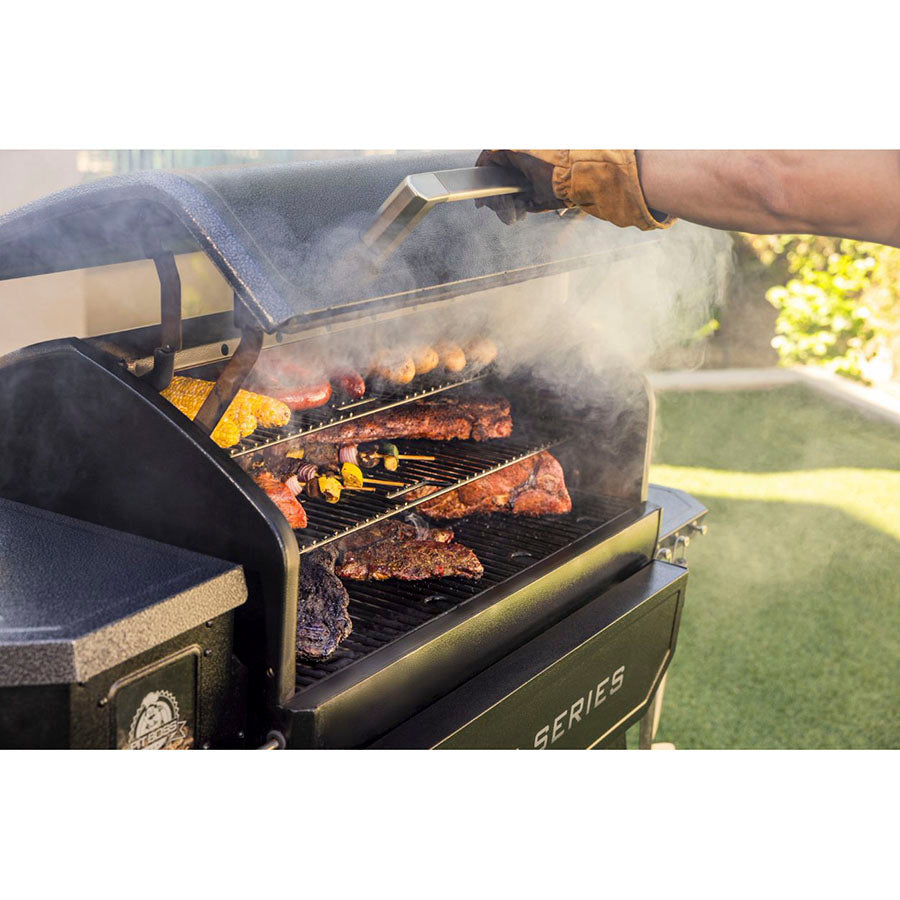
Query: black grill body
column 565, row 601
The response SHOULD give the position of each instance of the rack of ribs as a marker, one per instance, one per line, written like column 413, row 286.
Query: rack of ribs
column 534, row 486
column 437, row 419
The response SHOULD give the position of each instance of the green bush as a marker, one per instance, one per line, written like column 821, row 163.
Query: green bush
column 841, row 308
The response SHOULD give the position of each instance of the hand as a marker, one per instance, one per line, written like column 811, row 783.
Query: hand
column 539, row 175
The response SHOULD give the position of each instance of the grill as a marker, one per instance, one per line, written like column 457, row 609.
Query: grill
column 195, row 645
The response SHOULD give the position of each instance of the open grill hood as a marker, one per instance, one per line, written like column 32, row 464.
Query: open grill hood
column 287, row 237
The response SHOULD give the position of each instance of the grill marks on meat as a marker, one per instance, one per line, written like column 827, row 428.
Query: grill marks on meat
column 402, row 550
column 410, row 561
column 322, row 617
column 531, row 487
column 393, row 530
column 439, row 419
column 282, row 497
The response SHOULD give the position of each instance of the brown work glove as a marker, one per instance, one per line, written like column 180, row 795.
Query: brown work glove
column 602, row 183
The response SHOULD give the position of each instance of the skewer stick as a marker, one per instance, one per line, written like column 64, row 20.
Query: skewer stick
column 382, row 481
column 350, row 487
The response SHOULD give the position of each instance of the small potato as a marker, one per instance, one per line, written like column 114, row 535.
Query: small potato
column 425, row 359
column 395, row 367
column 481, row 351
column 452, row 357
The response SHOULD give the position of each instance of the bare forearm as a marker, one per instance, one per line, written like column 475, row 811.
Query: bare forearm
column 845, row 193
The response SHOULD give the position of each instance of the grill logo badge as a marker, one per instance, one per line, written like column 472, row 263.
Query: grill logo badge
column 156, row 724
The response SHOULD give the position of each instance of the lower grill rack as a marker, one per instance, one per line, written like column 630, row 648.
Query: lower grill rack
column 506, row 545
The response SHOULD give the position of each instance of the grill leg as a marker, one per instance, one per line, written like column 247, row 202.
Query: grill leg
column 650, row 722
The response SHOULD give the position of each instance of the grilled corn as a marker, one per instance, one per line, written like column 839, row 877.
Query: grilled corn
column 245, row 412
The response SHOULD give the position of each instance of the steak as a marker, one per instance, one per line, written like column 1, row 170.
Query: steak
column 438, row 419
column 410, row 561
column 322, row 618
column 393, row 530
column 531, row 487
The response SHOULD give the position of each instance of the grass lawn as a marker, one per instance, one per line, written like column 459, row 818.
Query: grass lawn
column 791, row 630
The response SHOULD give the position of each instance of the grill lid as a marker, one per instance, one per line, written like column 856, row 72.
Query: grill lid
column 287, row 237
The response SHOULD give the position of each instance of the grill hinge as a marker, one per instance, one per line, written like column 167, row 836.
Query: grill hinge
column 160, row 376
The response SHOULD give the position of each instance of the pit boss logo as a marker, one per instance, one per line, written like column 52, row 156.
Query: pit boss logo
column 156, row 724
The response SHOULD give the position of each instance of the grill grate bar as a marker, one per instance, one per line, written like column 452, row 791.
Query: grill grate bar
column 379, row 396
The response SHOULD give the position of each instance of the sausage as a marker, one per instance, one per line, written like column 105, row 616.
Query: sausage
column 349, row 382
column 295, row 385
column 307, row 396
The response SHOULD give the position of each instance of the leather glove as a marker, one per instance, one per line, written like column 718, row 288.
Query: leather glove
column 602, row 183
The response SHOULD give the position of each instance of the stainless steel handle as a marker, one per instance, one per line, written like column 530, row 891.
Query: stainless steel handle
column 417, row 194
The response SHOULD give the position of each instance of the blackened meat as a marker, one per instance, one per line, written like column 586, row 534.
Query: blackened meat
column 322, row 618
column 410, row 561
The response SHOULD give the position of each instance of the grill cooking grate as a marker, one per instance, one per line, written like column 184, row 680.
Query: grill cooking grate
column 379, row 396
column 455, row 463
column 506, row 545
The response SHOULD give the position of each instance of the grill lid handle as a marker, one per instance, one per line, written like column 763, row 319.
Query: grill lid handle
column 417, row 194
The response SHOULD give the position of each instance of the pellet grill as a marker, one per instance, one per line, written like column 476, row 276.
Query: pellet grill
column 150, row 588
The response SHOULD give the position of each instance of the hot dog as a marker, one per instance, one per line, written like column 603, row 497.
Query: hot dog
column 294, row 384
column 350, row 382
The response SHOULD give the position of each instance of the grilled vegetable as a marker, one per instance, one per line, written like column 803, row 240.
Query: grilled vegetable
column 425, row 359
column 348, row 454
column 352, row 475
column 395, row 367
column 391, row 456
column 189, row 394
column 481, row 352
column 329, row 488
column 453, row 359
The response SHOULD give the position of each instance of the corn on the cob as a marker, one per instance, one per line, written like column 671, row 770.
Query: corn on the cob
column 188, row 395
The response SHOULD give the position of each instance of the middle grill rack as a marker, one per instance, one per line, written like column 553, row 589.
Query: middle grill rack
column 455, row 463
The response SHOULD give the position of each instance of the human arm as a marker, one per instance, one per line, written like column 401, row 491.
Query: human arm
column 845, row 193
column 840, row 193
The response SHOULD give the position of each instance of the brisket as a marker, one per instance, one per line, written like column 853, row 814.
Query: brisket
column 438, row 419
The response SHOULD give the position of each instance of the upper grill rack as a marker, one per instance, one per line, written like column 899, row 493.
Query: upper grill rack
column 455, row 463
column 379, row 396
column 384, row 611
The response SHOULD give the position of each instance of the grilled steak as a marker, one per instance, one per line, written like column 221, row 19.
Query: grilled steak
column 531, row 487
column 410, row 561
column 322, row 619
column 393, row 530
column 439, row 419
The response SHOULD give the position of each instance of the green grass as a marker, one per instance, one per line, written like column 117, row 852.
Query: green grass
column 790, row 635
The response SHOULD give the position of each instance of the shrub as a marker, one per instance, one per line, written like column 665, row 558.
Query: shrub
column 841, row 308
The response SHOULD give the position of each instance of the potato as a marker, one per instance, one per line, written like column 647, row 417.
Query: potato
column 425, row 359
column 396, row 367
column 452, row 357
column 481, row 351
